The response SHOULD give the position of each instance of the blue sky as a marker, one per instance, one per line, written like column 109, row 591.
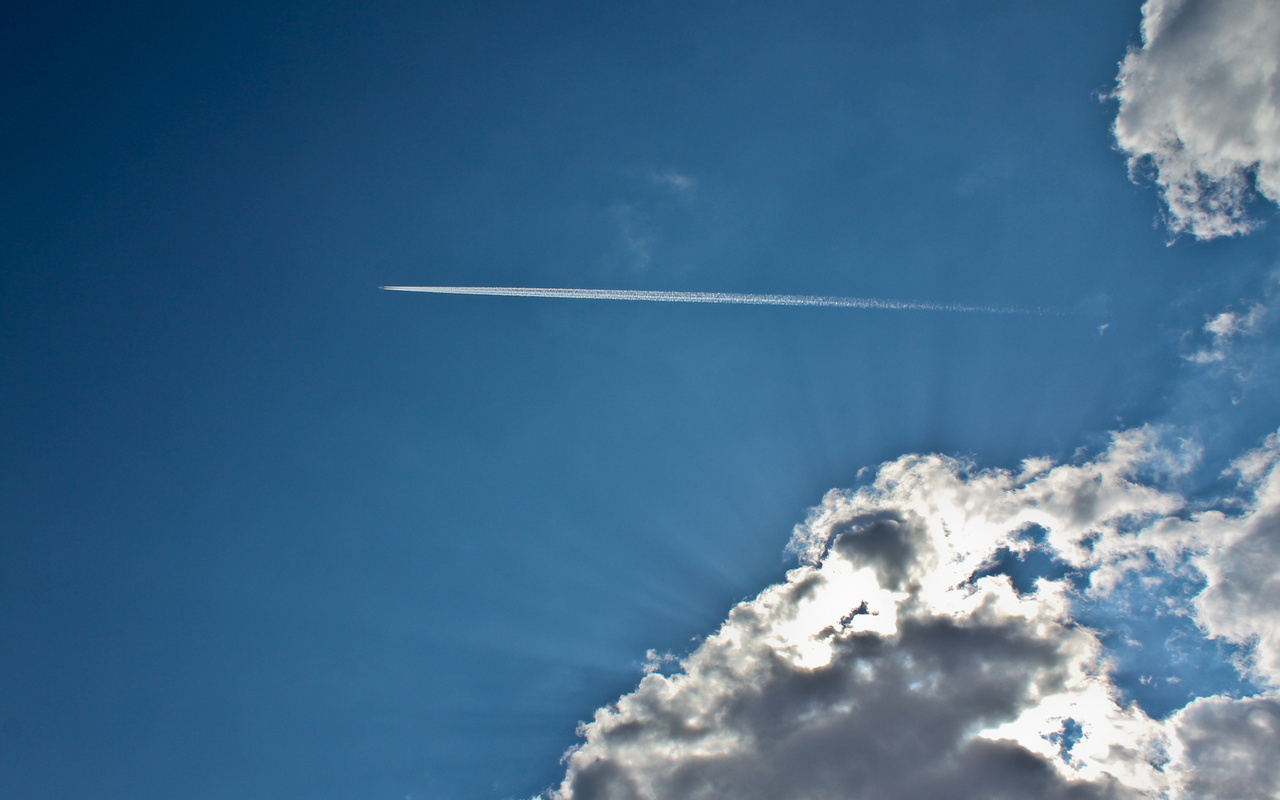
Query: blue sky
column 267, row 531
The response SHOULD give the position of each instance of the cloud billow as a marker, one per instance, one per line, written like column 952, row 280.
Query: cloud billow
column 1200, row 109
column 897, row 662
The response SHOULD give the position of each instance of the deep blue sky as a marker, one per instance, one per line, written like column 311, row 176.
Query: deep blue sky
column 266, row 531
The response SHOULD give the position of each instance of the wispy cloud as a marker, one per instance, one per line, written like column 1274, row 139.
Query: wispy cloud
column 650, row 205
column 1200, row 109
column 635, row 245
column 672, row 179
column 1223, row 329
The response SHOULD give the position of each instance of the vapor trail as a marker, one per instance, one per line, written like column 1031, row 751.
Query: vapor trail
column 715, row 297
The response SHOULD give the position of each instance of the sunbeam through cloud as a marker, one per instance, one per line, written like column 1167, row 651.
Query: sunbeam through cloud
column 268, row 530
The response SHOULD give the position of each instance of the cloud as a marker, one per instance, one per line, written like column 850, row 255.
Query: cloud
column 1241, row 560
column 1234, row 352
column 672, row 179
column 905, row 658
column 1226, row 749
column 634, row 244
column 648, row 217
column 1223, row 330
column 1200, row 109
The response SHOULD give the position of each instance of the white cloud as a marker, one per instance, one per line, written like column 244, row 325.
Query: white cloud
column 1226, row 749
column 1223, row 330
column 1200, row 105
column 655, row 661
column 895, row 664
column 1241, row 559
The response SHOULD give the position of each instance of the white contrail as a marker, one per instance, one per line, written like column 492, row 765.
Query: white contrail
column 715, row 297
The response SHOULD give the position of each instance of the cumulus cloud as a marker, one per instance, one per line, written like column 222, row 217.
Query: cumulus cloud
column 1226, row 749
column 1240, row 557
column 1200, row 109
column 901, row 661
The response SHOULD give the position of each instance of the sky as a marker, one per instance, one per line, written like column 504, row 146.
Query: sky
column 270, row 531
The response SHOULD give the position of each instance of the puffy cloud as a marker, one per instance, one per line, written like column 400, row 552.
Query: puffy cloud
column 804, row 694
column 899, row 661
column 1241, row 560
column 1200, row 107
column 1226, row 749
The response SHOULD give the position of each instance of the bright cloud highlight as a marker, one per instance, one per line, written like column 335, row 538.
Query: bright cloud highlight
column 901, row 660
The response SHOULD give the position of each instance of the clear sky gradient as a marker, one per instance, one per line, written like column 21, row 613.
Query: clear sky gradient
column 269, row 532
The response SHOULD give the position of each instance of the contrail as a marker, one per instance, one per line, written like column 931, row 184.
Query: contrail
column 716, row 297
